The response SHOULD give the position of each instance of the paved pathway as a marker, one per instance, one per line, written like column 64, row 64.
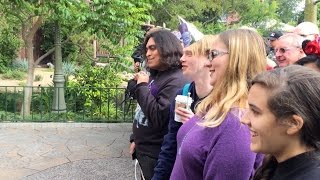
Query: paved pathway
column 65, row 151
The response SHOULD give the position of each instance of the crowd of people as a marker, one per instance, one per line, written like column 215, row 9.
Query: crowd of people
column 254, row 110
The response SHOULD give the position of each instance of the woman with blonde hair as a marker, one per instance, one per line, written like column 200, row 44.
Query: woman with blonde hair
column 213, row 144
column 193, row 63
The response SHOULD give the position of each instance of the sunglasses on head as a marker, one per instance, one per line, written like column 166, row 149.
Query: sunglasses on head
column 215, row 53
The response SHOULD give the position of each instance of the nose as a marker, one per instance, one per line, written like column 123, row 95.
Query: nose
column 148, row 53
column 182, row 59
column 208, row 64
column 277, row 53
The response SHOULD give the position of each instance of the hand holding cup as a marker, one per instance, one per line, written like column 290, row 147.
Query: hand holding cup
column 185, row 114
column 182, row 108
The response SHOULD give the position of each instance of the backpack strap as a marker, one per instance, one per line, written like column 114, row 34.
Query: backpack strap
column 185, row 89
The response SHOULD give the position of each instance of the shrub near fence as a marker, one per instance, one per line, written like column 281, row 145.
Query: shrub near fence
column 84, row 104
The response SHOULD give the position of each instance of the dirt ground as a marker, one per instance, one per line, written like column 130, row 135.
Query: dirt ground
column 47, row 76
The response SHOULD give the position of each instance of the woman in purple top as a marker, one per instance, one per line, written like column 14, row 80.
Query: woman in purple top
column 214, row 144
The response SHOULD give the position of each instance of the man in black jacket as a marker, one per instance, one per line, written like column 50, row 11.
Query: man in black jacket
column 154, row 95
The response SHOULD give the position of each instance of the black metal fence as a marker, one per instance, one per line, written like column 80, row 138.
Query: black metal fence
column 82, row 105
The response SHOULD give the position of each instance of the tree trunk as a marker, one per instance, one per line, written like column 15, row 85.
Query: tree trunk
column 310, row 11
column 25, row 110
column 29, row 29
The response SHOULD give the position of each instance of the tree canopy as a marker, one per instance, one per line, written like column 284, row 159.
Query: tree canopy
column 215, row 16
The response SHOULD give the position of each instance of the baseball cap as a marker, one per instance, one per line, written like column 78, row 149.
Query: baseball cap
column 275, row 35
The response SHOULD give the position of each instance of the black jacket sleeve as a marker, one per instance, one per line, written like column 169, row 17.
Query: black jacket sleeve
column 156, row 109
column 168, row 151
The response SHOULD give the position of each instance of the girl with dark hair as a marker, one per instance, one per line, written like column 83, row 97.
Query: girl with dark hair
column 284, row 122
column 154, row 95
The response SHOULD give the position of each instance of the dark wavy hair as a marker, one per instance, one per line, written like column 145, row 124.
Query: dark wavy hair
column 169, row 48
column 309, row 59
column 294, row 90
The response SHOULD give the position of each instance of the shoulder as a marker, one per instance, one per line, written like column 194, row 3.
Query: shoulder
column 231, row 126
column 234, row 116
column 173, row 76
column 170, row 73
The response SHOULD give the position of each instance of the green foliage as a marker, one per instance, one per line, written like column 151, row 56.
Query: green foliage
column 14, row 74
column 11, row 101
column 38, row 77
column 70, row 47
column 211, row 17
column 212, row 28
column 254, row 12
column 41, row 100
column 191, row 10
column 120, row 64
column 93, row 85
column 110, row 20
column 110, row 110
column 288, row 12
column 20, row 64
column 9, row 45
column 97, row 77
column 68, row 68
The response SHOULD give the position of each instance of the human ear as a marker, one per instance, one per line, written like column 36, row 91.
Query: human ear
column 295, row 124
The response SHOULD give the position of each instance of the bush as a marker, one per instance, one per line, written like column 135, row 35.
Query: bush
column 38, row 77
column 90, row 90
column 13, row 74
column 42, row 100
column 68, row 68
column 20, row 64
column 9, row 45
column 11, row 102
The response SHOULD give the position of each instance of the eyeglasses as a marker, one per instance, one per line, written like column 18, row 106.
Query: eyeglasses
column 215, row 53
column 282, row 50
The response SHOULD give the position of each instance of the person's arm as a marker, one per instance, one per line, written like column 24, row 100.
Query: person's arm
column 132, row 147
column 168, row 151
column 230, row 157
column 156, row 108
column 186, row 38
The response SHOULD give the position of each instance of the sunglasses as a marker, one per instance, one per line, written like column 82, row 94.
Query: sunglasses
column 215, row 53
column 282, row 50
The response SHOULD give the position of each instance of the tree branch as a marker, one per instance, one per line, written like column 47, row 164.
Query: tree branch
column 43, row 56
column 86, row 54
column 208, row 21
column 48, row 53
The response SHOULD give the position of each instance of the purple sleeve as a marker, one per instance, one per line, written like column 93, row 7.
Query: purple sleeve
column 230, row 156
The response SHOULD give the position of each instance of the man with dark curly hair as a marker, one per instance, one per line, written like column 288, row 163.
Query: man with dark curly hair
column 154, row 95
